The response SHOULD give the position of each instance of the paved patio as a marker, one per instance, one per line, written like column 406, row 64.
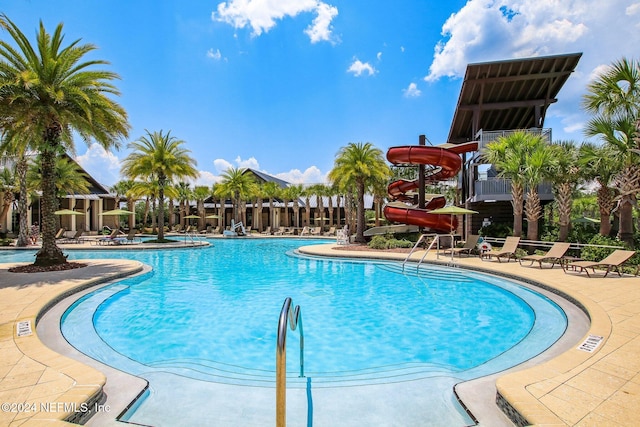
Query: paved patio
column 582, row 388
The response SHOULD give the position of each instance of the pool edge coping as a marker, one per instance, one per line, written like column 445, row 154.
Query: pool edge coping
column 513, row 396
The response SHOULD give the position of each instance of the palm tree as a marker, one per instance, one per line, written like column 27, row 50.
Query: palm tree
column 200, row 193
column 509, row 156
column 599, row 163
column 293, row 193
column 237, row 184
column 566, row 176
column 161, row 156
column 272, row 191
column 185, row 193
column 119, row 190
column 8, row 187
column 537, row 168
column 49, row 92
column 614, row 100
column 14, row 147
column 362, row 165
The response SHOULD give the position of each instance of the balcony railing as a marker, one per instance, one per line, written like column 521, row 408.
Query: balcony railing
column 485, row 137
column 500, row 190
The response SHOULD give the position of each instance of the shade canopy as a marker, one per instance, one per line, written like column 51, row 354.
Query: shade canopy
column 452, row 210
column 68, row 212
column 116, row 212
column 213, row 216
column 192, row 217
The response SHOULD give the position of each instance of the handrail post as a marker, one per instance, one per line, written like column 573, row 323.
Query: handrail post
column 295, row 319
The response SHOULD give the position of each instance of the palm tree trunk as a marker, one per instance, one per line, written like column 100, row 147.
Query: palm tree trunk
column 517, row 201
column 161, row 183
column 534, row 212
column 564, row 210
column 23, row 234
column 360, row 221
column 605, row 205
column 49, row 254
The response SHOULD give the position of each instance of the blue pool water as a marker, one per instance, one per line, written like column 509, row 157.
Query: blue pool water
column 210, row 315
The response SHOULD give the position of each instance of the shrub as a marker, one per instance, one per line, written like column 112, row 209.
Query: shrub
column 378, row 242
column 596, row 254
column 388, row 242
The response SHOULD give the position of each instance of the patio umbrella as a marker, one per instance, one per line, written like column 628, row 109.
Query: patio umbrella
column 68, row 212
column 452, row 210
column 213, row 216
column 192, row 217
column 116, row 213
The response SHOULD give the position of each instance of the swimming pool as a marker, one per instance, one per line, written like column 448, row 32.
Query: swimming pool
column 204, row 322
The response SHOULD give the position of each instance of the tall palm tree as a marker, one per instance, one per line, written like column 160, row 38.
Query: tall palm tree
column 162, row 156
column 8, row 188
column 294, row 192
column 185, row 193
column 14, row 148
column 599, row 163
column 566, row 176
column 200, row 193
column 537, row 168
column 362, row 165
column 508, row 154
column 614, row 100
column 272, row 191
column 48, row 91
column 238, row 184
column 119, row 190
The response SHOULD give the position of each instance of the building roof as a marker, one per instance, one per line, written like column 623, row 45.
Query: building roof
column 264, row 177
column 506, row 95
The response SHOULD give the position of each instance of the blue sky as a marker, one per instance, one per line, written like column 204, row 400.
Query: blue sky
column 281, row 85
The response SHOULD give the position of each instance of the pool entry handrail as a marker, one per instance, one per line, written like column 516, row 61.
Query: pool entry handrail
column 295, row 320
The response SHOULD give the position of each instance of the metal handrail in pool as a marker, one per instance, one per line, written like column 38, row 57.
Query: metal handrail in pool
column 295, row 319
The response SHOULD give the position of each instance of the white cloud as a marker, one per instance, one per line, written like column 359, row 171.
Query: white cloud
column 412, row 91
column 206, row 178
column 632, row 9
column 321, row 29
column 311, row 175
column 215, row 55
column 261, row 15
column 379, row 56
column 358, row 67
column 489, row 30
column 102, row 165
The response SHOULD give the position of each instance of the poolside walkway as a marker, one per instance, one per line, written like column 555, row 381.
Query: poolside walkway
column 582, row 388
column 37, row 385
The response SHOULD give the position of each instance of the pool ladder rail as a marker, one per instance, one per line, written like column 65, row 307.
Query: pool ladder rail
column 435, row 242
column 294, row 318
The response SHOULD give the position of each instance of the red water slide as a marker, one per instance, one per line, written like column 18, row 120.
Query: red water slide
column 445, row 162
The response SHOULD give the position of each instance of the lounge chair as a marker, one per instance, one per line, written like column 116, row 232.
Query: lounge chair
column 331, row 232
column 553, row 256
column 613, row 262
column 316, row 231
column 469, row 245
column 76, row 238
column 110, row 239
column 508, row 250
column 60, row 234
column 305, row 230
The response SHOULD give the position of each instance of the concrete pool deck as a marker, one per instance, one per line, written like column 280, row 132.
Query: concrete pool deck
column 578, row 387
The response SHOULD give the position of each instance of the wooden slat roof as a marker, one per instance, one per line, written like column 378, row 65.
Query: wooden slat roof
column 506, row 95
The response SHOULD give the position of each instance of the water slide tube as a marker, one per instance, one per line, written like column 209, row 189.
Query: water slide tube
column 446, row 162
